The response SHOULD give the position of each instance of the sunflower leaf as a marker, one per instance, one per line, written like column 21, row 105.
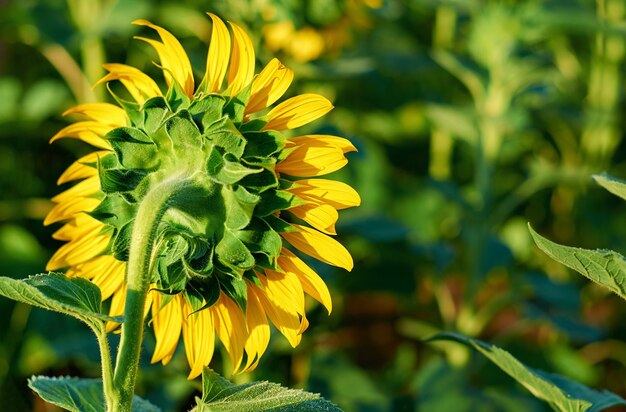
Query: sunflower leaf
column 604, row 267
column 76, row 297
column 561, row 393
column 79, row 395
column 612, row 184
column 219, row 395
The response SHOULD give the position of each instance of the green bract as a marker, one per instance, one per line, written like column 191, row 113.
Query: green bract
column 224, row 223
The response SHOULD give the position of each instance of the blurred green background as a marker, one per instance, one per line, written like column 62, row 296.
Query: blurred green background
column 471, row 118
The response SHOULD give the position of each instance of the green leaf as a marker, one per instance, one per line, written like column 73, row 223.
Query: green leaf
column 263, row 144
column 274, row 200
column 605, row 267
column 260, row 238
column 221, row 395
column 183, row 132
column 79, row 395
column 76, row 297
column 561, row 393
column 119, row 180
column 224, row 134
column 207, row 110
column 612, row 184
column 236, row 106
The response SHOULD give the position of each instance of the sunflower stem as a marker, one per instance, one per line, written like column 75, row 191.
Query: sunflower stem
column 149, row 214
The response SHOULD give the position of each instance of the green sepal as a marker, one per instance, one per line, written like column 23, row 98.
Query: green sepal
column 278, row 224
column 172, row 278
column 119, row 180
column 76, row 297
column 132, row 109
column 201, row 295
column 259, row 237
column 114, row 210
column 79, row 395
column 206, row 111
column 199, row 257
column 231, row 252
column 268, row 163
column 134, row 149
column 254, row 125
column 236, row 106
column 260, row 182
column 225, row 169
column 236, row 289
column 183, row 132
column 263, row 144
column 224, row 134
column 120, row 243
column 240, row 205
column 155, row 112
column 219, row 395
column 176, row 97
column 275, row 200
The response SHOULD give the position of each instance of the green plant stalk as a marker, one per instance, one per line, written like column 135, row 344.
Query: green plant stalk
column 149, row 214
column 600, row 135
column 111, row 394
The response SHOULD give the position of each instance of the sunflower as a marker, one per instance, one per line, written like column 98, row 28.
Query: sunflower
column 224, row 261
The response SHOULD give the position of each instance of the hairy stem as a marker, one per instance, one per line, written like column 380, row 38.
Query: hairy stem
column 149, row 214
column 111, row 394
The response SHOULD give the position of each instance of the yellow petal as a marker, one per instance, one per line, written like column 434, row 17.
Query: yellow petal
column 84, row 188
column 258, row 330
column 106, row 272
column 218, row 56
column 67, row 210
column 231, row 328
column 312, row 284
column 280, row 313
column 167, row 324
column 319, row 246
column 140, row 86
column 297, row 111
column 79, row 251
column 88, row 131
column 199, row 338
column 174, row 59
column 82, row 168
column 78, row 227
column 336, row 194
column 241, row 61
column 104, row 113
column 269, row 86
column 315, row 155
column 321, row 217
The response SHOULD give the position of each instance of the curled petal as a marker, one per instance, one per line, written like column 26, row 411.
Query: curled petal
column 218, row 56
column 319, row 246
column 81, row 168
column 79, row 251
column 297, row 111
column 231, row 328
column 321, row 217
column 88, row 131
column 140, row 86
column 78, row 227
column 69, row 209
column 241, row 61
column 84, row 188
column 281, row 312
column 173, row 57
column 106, row 272
column 258, row 330
column 336, row 194
column 269, row 86
column 315, row 155
column 199, row 338
column 312, row 284
column 167, row 324
column 104, row 113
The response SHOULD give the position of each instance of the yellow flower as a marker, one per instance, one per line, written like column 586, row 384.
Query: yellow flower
column 224, row 264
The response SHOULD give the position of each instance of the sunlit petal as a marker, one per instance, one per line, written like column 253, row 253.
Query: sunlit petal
column 319, row 246
column 297, row 111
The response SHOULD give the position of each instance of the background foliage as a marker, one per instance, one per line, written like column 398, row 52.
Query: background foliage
column 471, row 118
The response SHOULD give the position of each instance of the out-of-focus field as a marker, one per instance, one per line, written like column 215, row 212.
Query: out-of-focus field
column 472, row 118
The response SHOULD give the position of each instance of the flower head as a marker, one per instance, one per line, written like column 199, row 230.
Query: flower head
column 223, row 263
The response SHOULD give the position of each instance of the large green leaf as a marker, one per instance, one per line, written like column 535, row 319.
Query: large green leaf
column 76, row 297
column 221, row 395
column 561, row 393
column 605, row 267
column 79, row 395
